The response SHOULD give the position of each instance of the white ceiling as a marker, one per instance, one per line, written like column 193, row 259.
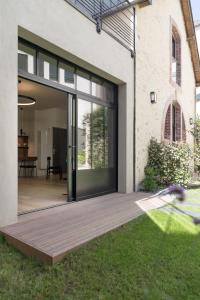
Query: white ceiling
column 46, row 97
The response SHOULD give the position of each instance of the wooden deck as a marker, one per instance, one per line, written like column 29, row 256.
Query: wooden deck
column 49, row 234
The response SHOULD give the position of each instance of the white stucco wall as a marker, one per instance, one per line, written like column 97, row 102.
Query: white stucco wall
column 58, row 27
column 153, row 74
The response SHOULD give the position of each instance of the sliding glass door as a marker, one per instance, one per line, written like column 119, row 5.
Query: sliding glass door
column 91, row 126
column 96, row 149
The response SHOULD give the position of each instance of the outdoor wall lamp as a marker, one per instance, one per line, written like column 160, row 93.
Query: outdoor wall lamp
column 191, row 121
column 153, row 97
column 25, row 100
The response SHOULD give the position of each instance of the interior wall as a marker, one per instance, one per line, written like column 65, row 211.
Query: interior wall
column 38, row 126
column 45, row 120
column 26, row 120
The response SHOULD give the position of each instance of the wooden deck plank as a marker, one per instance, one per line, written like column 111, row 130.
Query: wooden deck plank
column 50, row 234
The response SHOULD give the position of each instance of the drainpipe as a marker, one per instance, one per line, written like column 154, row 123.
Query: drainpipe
column 134, row 109
column 144, row 2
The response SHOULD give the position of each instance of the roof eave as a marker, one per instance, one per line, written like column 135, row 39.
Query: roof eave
column 191, row 37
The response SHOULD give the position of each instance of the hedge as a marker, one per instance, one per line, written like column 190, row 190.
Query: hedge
column 167, row 164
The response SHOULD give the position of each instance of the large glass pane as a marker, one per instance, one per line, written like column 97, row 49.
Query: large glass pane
column 103, row 137
column 96, row 172
column 98, row 136
column 66, row 75
column 47, row 67
column 109, row 91
column 26, row 58
column 110, row 138
column 108, row 119
column 98, row 90
column 83, row 82
column 84, row 134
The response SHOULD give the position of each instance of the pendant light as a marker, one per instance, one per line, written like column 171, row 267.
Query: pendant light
column 25, row 100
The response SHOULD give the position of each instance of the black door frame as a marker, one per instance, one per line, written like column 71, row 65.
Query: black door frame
column 71, row 146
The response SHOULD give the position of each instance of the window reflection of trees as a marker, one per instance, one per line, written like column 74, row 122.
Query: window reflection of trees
column 94, row 138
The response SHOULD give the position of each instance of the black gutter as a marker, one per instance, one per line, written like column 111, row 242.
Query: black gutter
column 134, row 109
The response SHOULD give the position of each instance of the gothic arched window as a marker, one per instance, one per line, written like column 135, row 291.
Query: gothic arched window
column 174, row 130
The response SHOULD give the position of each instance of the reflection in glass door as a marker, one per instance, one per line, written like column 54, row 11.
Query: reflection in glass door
column 96, row 149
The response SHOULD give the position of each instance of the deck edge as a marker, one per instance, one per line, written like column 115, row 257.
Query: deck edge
column 27, row 249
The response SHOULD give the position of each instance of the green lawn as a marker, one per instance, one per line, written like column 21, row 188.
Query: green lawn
column 138, row 261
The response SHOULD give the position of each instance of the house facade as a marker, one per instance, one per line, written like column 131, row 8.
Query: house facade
column 115, row 80
column 197, row 29
column 165, row 65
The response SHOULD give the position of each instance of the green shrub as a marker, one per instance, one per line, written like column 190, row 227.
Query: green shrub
column 195, row 131
column 170, row 162
column 150, row 183
column 197, row 157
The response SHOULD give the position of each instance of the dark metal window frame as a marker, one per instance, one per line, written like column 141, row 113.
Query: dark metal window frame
column 56, row 84
column 88, row 97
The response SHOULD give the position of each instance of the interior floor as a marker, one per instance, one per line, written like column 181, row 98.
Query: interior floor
column 37, row 193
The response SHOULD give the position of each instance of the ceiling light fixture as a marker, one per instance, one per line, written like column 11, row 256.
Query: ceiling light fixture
column 25, row 100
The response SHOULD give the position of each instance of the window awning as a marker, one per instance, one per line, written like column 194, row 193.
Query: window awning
column 116, row 17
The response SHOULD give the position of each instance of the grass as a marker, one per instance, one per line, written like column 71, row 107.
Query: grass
column 152, row 257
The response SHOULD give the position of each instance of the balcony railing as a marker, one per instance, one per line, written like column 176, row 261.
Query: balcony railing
column 116, row 17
